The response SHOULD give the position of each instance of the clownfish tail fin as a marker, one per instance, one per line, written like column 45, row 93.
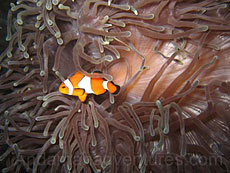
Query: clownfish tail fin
column 113, row 88
column 118, row 89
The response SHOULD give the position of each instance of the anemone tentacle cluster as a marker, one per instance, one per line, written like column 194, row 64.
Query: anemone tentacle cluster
column 171, row 58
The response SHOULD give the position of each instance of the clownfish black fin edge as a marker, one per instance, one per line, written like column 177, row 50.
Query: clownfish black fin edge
column 97, row 71
column 86, row 100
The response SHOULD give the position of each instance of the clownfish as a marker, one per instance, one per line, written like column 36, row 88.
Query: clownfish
column 81, row 85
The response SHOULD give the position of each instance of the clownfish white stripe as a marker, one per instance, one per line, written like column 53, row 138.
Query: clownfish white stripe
column 69, row 85
column 86, row 84
column 105, row 85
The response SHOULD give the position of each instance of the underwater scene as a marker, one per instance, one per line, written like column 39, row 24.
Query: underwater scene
column 114, row 86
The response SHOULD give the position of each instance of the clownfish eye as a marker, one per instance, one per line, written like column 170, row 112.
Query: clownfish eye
column 63, row 87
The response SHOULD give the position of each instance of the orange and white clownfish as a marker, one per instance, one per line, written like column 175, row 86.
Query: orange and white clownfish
column 81, row 85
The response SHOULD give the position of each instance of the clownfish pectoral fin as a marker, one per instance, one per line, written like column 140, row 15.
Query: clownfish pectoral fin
column 78, row 92
column 113, row 88
column 83, row 98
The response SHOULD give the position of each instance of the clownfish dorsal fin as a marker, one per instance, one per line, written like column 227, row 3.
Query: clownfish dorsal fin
column 76, row 78
column 99, row 72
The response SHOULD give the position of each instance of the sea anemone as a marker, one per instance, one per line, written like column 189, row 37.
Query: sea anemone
column 171, row 59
